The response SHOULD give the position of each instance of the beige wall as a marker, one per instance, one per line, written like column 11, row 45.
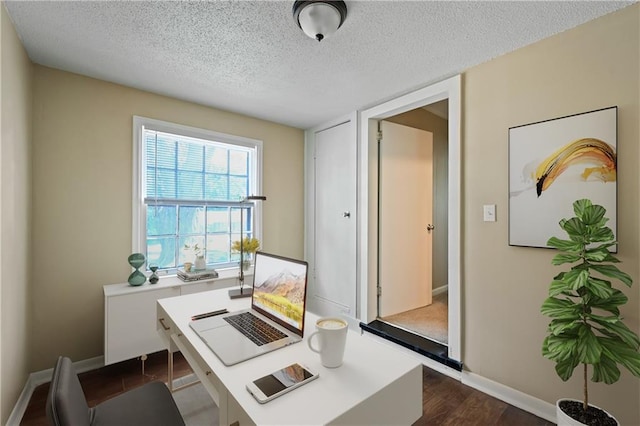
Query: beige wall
column 425, row 120
column 82, row 152
column 593, row 66
column 15, row 189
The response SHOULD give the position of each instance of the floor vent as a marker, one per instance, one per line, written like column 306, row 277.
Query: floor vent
column 426, row 347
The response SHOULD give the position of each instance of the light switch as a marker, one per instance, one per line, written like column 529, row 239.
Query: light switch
column 489, row 212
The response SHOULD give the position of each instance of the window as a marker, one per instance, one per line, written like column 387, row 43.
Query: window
column 188, row 189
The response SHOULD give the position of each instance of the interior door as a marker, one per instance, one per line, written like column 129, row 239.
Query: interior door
column 335, row 220
column 405, row 216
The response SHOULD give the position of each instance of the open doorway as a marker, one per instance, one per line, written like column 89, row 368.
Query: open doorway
column 413, row 220
column 368, row 200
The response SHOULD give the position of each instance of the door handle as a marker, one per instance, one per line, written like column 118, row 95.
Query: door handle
column 346, row 214
column 430, row 227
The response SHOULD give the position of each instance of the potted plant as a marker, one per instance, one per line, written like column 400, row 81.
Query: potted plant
column 586, row 327
column 249, row 247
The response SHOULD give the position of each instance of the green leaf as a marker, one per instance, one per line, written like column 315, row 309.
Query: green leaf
column 557, row 326
column 579, row 206
column 611, row 258
column 561, row 258
column 618, row 298
column 601, row 235
column 611, row 303
column 619, row 329
column 592, row 215
column 564, row 245
column 558, row 287
column 560, row 348
column 622, row 354
column 588, row 347
column 545, row 347
column 565, row 368
column 575, row 228
column 611, row 319
column 600, row 288
column 612, row 271
column 606, row 245
column 576, row 278
column 596, row 255
column 605, row 371
column 560, row 308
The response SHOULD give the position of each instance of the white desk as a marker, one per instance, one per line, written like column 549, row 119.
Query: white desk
column 377, row 384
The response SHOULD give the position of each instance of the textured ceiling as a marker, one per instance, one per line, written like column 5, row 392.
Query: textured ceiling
column 250, row 57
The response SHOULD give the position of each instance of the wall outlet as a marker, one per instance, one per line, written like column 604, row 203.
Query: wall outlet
column 489, row 212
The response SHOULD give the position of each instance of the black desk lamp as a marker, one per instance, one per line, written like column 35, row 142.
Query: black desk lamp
column 236, row 293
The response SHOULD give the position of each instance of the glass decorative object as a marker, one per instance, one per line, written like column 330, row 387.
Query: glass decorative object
column 136, row 260
column 153, row 278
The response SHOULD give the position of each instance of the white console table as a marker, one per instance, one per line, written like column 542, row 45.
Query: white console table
column 376, row 385
column 130, row 312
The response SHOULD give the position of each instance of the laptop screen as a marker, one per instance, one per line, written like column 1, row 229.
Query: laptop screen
column 279, row 290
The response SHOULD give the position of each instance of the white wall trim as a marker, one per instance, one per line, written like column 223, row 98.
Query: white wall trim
column 511, row 396
column 40, row 377
column 450, row 89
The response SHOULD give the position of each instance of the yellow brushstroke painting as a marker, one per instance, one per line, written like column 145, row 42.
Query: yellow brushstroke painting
column 582, row 151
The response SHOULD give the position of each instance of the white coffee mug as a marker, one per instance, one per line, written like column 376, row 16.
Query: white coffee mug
column 332, row 337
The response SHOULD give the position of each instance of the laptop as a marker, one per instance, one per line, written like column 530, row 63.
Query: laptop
column 276, row 317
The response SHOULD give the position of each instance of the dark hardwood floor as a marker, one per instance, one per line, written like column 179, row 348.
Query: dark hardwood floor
column 445, row 400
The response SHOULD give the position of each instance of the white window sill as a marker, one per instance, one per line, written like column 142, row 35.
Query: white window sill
column 173, row 281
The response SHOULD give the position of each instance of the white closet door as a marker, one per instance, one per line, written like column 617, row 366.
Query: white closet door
column 334, row 291
column 405, row 213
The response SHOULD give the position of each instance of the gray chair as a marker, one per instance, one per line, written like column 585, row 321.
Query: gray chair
column 150, row 404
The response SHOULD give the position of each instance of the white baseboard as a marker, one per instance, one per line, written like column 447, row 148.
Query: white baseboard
column 40, row 377
column 511, row 396
column 440, row 290
column 21, row 405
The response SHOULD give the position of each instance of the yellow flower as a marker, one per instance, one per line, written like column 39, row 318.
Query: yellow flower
column 249, row 245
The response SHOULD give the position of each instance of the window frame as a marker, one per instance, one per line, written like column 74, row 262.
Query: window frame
column 139, row 208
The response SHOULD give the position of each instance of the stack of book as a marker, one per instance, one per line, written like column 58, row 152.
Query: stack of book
column 193, row 275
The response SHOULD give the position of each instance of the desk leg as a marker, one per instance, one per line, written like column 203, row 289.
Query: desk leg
column 170, row 383
column 223, row 412
column 170, row 370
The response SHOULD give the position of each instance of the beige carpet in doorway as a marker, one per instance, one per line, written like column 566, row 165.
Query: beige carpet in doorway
column 429, row 321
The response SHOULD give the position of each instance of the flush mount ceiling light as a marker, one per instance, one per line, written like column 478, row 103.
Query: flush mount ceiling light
column 319, row 19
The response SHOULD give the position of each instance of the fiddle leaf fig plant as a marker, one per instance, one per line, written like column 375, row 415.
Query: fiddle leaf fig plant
column 586, row 325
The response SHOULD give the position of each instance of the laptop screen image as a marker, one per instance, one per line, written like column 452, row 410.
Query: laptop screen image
column 279, row 290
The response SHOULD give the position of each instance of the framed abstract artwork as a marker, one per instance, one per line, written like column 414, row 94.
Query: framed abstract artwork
column 552, row 163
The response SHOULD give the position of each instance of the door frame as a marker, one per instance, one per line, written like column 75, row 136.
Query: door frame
column 368, row 199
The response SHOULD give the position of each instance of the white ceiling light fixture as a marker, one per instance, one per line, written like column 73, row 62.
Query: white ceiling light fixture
column 319, row 19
